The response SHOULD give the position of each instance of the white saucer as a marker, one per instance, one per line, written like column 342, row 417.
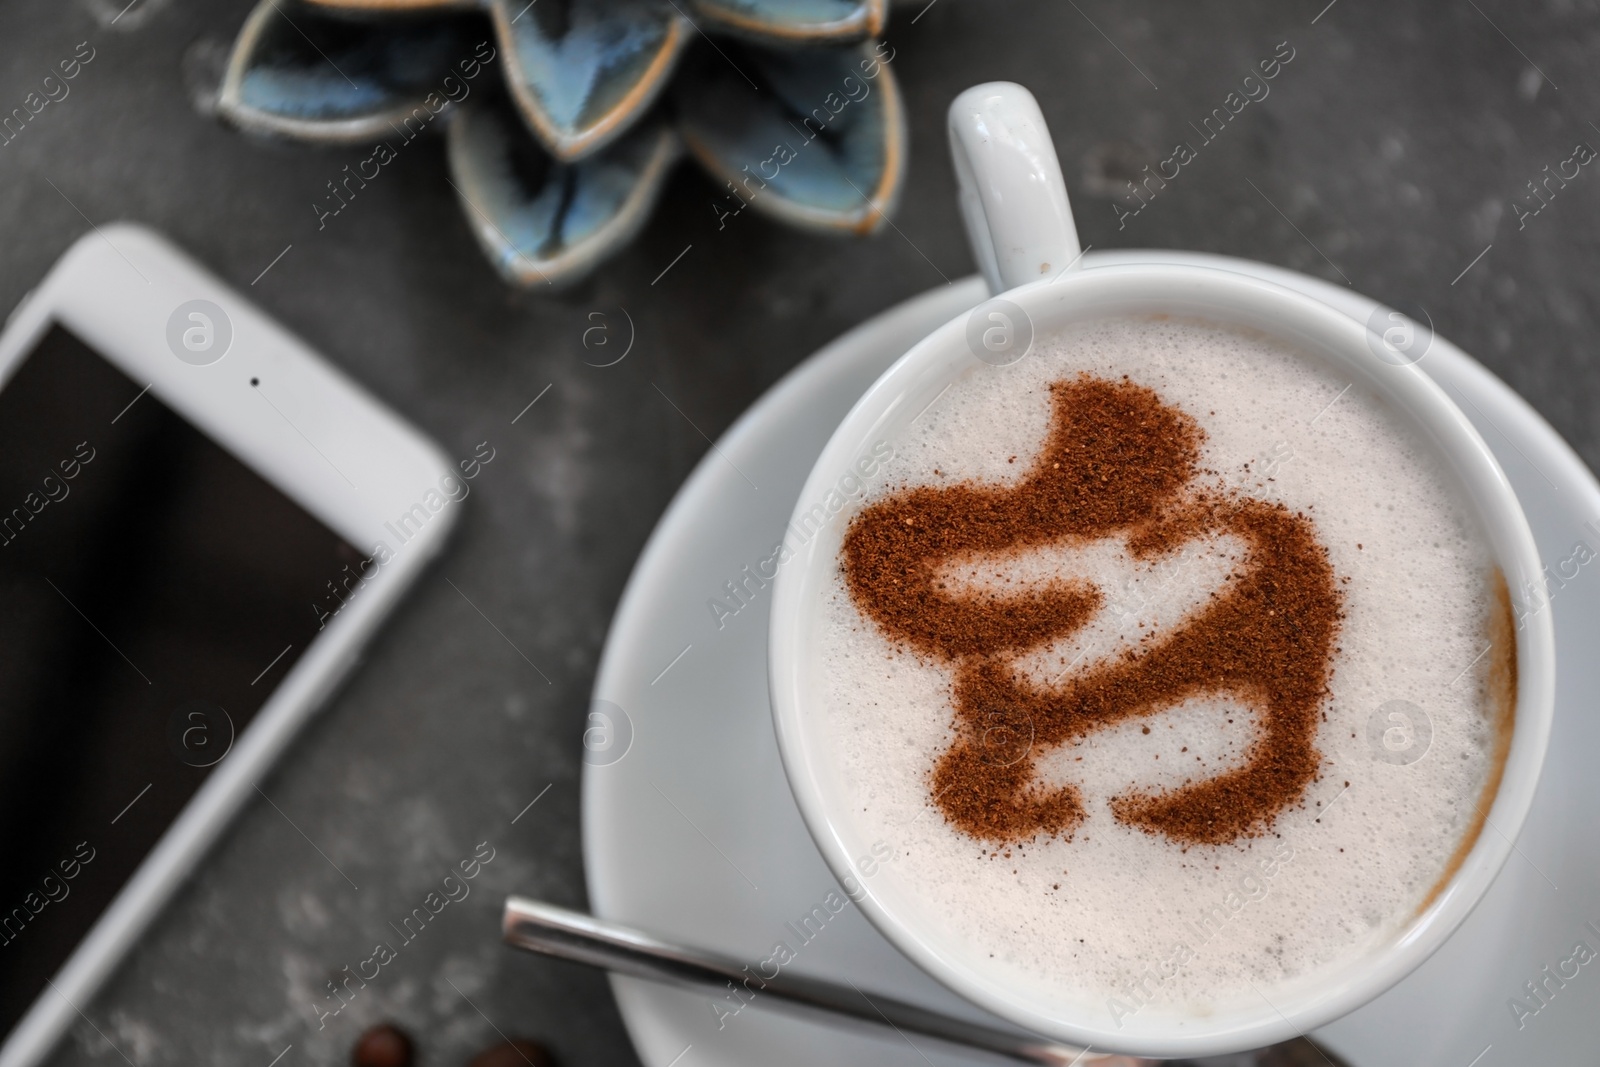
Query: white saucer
column 693, row 833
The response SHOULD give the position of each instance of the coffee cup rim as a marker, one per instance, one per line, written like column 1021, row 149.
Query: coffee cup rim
column 1206, row 292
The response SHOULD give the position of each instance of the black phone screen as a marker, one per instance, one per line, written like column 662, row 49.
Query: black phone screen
column 154, row 590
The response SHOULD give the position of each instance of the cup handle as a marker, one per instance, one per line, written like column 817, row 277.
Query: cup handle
column 1013, row 198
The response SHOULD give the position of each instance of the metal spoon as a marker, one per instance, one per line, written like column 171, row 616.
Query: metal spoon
column 570, row 935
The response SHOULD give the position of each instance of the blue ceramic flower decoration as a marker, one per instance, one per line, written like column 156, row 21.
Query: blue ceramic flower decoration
column 564, row 117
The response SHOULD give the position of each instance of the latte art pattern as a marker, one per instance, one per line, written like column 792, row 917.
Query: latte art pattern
column 1108, row 694
column 1118, row 462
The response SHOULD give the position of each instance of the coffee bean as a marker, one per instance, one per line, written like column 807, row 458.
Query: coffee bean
column 385, row 1045
column 518, row 1053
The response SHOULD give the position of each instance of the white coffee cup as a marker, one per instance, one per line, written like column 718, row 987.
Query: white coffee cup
column 1014, row 203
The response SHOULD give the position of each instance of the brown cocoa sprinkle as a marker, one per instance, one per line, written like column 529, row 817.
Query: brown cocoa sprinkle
column 1117, row 460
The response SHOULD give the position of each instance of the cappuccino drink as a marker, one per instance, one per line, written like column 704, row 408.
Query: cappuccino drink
column 1174, row 667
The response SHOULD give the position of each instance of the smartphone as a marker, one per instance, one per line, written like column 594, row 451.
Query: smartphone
column 201, row 524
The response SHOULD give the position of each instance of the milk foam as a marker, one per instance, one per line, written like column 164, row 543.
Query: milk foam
column 1120, row 922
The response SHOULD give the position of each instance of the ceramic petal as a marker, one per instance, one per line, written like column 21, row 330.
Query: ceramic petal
column 301, row 72
column 815, row 137
column 796, row 21
column 541, row 220
column 583, row 71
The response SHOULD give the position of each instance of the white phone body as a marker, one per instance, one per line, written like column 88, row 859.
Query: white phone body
column 322, row 441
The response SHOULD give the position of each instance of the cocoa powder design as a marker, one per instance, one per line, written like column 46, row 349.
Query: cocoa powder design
column 1117, row 461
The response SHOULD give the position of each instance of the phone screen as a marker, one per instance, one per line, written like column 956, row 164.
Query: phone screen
column 154, row 590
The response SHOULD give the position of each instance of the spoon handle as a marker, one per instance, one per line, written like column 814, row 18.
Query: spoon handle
column 570, row 935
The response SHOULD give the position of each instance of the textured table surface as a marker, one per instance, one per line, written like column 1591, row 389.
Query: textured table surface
column 1389, row 155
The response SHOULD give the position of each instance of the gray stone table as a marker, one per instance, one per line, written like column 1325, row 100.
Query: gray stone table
column 1389, row 154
